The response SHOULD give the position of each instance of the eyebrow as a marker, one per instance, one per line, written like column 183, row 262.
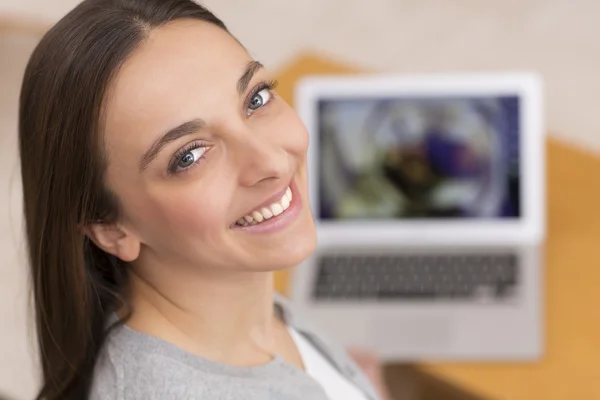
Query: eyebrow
column 247, row 76
column 187, row 128
column 193, row 126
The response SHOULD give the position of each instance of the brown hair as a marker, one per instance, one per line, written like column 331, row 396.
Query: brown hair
column 75, row 284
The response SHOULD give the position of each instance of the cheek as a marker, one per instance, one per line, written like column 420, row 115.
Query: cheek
column 193, row 212
column 170, row 215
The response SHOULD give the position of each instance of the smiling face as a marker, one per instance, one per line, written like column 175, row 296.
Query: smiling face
column 208, row 163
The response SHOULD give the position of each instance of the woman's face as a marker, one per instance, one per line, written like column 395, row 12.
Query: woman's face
column 198, row 145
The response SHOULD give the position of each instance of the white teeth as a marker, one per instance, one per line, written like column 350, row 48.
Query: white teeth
column 258, row 217
column 276, row 208
column 268, row 212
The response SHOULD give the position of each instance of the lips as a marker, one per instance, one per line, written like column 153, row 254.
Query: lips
column 267, row 212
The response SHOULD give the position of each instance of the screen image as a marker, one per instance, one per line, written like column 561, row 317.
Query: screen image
column 419, row 158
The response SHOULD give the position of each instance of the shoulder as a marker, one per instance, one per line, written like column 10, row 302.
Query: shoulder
column 108, row 377
column 130, row 368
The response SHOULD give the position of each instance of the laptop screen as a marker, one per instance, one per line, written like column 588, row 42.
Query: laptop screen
column 419, row 158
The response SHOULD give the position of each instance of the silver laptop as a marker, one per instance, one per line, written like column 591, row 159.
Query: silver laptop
column 429, row 198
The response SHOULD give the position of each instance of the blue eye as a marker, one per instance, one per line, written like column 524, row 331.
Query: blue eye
column 260, row 96
column 258, row 100
column 187, row 157
column 186, row 160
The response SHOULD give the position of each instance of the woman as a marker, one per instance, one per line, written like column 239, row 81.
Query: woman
column 164, row 181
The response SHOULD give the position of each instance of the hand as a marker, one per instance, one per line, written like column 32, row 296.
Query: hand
column 372, row 368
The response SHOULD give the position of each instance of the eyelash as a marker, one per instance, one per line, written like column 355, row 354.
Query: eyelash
column 182, row 152
column 270, row 85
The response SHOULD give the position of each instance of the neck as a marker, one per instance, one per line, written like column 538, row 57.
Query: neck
column 223, row 316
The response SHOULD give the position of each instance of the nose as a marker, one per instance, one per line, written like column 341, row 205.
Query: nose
column 260, row 159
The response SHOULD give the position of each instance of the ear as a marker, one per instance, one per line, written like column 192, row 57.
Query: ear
column 114, row 239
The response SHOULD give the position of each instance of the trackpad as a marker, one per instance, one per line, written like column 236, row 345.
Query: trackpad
column 415, row 334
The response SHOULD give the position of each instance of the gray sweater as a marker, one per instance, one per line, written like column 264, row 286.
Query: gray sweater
column 137, row 366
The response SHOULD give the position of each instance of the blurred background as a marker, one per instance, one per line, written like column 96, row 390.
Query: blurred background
column 557, row 38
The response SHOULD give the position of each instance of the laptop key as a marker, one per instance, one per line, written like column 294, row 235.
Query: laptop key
column 416, row 277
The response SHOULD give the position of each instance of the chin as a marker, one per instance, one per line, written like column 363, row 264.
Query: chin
column 289, row 255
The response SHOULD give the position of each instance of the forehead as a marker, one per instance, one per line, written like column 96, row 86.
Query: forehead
column 174, row 73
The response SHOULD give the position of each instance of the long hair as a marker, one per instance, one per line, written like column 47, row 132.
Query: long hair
column 75, row 284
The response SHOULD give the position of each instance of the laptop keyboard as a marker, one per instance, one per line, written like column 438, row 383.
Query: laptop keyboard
column 416, row 277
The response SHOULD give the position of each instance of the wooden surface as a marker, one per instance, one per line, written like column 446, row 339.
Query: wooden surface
column 571, row 365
